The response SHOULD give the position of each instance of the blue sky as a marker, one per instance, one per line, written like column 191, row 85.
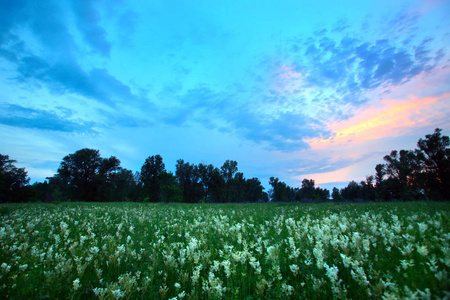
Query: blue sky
column 291, row 89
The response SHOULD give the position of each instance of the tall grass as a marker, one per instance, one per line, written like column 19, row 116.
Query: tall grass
column 242, row 251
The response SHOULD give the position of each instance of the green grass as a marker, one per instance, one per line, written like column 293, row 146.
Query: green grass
column 238, row 251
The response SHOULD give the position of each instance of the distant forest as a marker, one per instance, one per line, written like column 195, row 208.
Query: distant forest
column 419, row 174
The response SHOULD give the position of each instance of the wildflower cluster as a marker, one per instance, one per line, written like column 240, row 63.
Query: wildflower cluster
column 180, row 251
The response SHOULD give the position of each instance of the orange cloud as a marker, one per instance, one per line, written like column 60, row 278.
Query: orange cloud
column 389, row 119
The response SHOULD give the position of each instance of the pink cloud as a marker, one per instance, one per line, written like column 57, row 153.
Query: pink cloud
column 395, row 122
column 424, row 102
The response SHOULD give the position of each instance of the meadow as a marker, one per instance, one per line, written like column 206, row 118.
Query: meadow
column 229, row 251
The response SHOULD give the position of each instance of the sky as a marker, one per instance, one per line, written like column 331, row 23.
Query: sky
column 291, row 89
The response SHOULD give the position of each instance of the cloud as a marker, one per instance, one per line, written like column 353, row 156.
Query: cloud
column 349, row 65
column 231, row 111
column 87, row 21
column 19, row 116
column 64, row 77
column 392, row 117
column 316, row 80
column 57, row 68
column 285, row 133
column 47, row 21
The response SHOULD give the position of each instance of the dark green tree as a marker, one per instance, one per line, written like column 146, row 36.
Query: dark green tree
column 352, row 191
column 336, row 195
column 228, row 170
column 279, row 191
column 217, row 186
column 321, row 194
column 13, row 181
column 308, row 189
column 254, row 191
column 124, row 187
column 237, row 188
column 188, row 177
column 205, row 172
column 86, row 176
column 170, row 190
column 402, row 168
column 150, row 177
column 368, row 189
column 435, row 151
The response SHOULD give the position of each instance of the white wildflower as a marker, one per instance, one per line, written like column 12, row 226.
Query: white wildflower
column 272, row 252
column 255, row 264
column 294, row 269
column 347, row 261
column 359, row 275
column 407, row 249
column 406, row 263
column 287, row 289
column 422, row 227
column 226, row 265
column 422, row 250
column 6, row 267
column 118, row 294
column 366, row 245
column 318, row 253
column 76, row 284
column 332, row 272
column 97, row 291
column 23, row 267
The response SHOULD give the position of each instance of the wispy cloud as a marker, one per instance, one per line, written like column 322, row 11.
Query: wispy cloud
column 57, row 68
column 18, row 116
column 87, row 21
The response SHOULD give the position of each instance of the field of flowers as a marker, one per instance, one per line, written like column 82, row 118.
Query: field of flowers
column 244, row 251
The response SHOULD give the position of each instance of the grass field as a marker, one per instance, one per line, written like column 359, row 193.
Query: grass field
column 241, row 251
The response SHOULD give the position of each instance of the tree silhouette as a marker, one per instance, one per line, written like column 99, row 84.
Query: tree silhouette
column 436, row 163
column 86, row 176
column 150, row 177
column 12, row 180
column 228, row 170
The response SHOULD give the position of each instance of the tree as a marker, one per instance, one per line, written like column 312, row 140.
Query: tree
column 86, row 176
column 279, row 191
column 228, row 170
column 308, row 189
column 217, row 186
column 435, row 153
column 352, row 191
column 12, row 180
column 336, row 195
column 254, row 191
column 402, row 169
column 321, row 194
column 379, row 174
column 368, row 190
column 170, row 192
column 238, row 187
column 205, row 172
column 150, row 177
column 123, row 186
column 189, row 181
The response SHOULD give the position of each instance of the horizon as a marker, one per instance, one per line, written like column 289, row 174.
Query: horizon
column 291, row 90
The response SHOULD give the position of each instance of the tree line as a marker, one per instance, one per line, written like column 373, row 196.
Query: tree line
column 86, row 176
column 422, row 173
column 419, row 174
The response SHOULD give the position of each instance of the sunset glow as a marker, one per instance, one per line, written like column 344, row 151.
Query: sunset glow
column 391, row 118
